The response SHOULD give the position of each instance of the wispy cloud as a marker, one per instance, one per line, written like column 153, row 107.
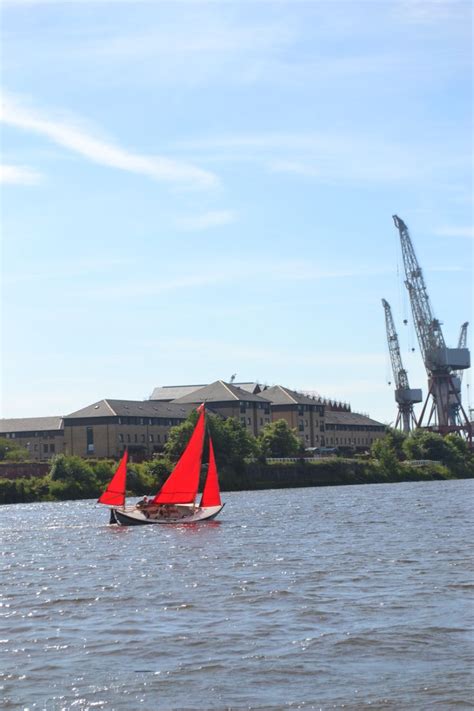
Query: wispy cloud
column 18, row 175
column 103, row 152
column 326, row 156
column 213, row 218
column 455, row 231
column 431, row 11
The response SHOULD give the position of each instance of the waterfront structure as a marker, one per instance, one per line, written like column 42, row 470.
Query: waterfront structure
column 229, row 400
column 107, row 427
column 304, row 414
column 42, row 437
column 351, row 430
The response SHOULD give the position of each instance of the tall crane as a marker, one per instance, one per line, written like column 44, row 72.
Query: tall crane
column 404, row 395
column 441, row 363
column 455, row 414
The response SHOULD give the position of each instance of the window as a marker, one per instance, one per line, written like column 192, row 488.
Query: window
column 242, row 420
column 151, row 438
column 90, row 439
column 267, row 420
column 35, row 447
column 136, row 438
column 249, row 421
column 306, row 437
column 158, row 438
column 52, row 448
column 45, row 448
column 120, row 437
column 261, row 420
column 128, row 438
column 301, row 426
column 143, row 438
column 242, row 407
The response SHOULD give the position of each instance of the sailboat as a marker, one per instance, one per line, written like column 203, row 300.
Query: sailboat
column 175, row 502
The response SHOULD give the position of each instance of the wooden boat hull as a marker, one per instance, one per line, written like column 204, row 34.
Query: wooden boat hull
column 183, row 515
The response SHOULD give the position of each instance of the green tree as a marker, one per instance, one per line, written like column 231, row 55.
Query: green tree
column 72, row 478
column 277, row 439
column 11, row 451
column 384, row 451
column 233, row 444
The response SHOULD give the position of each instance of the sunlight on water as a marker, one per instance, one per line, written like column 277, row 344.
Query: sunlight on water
column 346, row 597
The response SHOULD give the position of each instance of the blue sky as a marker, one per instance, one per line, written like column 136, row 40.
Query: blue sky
column 196, row 189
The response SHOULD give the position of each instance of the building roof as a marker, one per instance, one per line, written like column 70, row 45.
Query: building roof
column 134, row 408
column 278, row 395
column 334, row 417
column 171, row 392
column 254, row 388
column 31, row 424
column 220, row 392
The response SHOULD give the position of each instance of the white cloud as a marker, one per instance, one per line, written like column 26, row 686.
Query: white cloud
column 18, row 175
column 453, row 231
column 327, row 156
column 213, row 218
column 75, row 138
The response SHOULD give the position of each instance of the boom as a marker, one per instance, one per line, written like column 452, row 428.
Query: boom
column 404, row 396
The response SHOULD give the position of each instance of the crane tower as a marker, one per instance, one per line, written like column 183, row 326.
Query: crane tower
column 441, row 363
column 404, row 395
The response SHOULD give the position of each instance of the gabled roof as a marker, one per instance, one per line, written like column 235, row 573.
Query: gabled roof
column 133, row 408
column 335, row 417
column 254, row 388
column 171, row 392
column 31, row 424
column 278, row 395
column 219, row 392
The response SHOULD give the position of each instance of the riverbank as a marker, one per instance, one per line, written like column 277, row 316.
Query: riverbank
column 71, row 478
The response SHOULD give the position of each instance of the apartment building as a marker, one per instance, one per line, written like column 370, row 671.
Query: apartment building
column 304, row 414
column 42, row 437
column 229, row 400
column 107, row 427
column 351, row 430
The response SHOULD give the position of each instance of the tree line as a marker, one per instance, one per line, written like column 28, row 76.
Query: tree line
column 241, row 460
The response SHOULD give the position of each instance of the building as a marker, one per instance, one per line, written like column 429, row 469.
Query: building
column 228, row 400
column 303, row 413
column 107, row 427
column 43, row 437
column 350, row 430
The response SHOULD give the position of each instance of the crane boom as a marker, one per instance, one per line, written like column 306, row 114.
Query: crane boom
column 428, row 328
column 404, row 395
column 399, row 372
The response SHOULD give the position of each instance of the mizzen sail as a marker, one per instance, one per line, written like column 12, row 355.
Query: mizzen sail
column 114, row 495
column 211, row 495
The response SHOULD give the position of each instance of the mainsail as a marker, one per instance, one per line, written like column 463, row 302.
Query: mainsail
column 182, row 484
column 114, row 495
column 211, row 495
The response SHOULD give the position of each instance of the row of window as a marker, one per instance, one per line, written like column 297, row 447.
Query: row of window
column 356, row 428
column 260, row 406
column 162, row 421
column 141, row 438
column 47, row 448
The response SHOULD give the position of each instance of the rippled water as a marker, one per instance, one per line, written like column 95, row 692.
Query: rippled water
column 347, row 597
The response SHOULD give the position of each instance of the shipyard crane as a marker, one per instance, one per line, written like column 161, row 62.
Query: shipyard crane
column 455, row 413
column 441, row 363
column 405, row 396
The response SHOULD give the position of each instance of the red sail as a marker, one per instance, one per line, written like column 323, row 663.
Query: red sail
column 182, row 484
column 114, row 495
column 211, row 495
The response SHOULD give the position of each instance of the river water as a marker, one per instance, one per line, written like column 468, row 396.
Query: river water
column 357, row 597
